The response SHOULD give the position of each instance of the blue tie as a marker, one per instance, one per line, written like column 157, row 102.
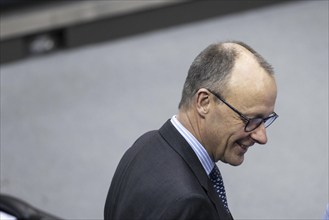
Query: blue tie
column 217, row 180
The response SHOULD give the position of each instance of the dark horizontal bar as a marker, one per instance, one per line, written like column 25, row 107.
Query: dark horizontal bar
column 129, row 24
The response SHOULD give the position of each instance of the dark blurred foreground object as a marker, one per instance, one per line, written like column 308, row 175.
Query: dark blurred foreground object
column 22, row 210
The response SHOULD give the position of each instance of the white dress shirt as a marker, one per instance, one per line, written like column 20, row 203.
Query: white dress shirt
column 207, row 163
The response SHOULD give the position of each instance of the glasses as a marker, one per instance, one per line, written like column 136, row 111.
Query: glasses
column 251, row 123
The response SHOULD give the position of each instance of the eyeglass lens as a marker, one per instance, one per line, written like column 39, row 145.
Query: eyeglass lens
column 255, row 122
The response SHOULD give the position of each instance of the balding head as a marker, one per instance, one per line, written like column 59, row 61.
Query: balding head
column 213, row 66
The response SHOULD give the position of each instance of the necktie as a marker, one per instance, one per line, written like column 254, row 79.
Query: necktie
column 217, row 180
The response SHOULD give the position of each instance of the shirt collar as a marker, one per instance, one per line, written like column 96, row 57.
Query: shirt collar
column 196, row 146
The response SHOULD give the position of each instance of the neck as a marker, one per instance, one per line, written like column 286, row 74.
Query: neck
column 189, row 120
column 192, row 122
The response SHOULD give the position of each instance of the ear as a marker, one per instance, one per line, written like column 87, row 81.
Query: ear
column 203, row 101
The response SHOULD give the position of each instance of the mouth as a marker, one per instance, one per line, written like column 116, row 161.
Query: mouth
column 244, row 148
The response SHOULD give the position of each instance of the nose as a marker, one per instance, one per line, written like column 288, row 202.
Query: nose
column 259, row 134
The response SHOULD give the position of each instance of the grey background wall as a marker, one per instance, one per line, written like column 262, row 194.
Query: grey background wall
column 68, row 117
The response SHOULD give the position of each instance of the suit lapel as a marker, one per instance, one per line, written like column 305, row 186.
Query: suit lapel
column 181, row 146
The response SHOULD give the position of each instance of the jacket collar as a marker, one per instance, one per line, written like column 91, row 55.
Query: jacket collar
column 180, row 145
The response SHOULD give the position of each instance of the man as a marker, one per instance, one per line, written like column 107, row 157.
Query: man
column 227, row 102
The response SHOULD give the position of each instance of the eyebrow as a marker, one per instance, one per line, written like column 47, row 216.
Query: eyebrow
column 262, row 115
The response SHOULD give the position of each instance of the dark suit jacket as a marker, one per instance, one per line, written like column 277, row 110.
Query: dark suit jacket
column 160, row 177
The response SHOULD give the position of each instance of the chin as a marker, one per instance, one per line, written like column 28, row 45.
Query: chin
column 236, row 161
column 232, row 158
column 236, row 164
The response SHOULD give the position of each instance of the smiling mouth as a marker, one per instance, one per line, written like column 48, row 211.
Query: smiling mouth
column 243, row 147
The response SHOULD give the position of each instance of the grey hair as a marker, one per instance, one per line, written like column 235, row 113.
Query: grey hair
column 212, row 67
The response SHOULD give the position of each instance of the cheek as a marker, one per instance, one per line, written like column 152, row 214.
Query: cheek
column 237, row 136
column 221, row 135
column 224, row 143
column 232, row 139
column 234, row 131
column 233, row 154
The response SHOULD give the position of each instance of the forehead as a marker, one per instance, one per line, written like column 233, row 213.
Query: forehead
column 251, row 88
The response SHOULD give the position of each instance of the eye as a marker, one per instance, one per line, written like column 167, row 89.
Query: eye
column 256, row 121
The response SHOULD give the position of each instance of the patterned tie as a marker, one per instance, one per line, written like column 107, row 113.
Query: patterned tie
column 217, row 180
